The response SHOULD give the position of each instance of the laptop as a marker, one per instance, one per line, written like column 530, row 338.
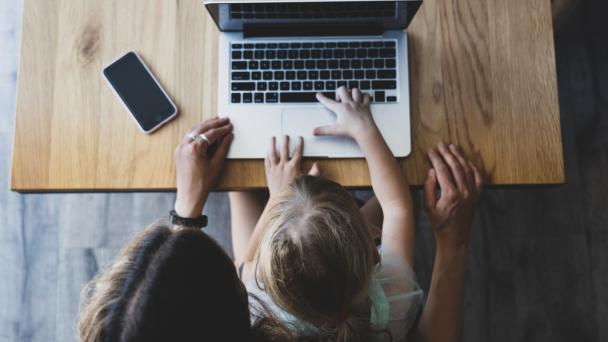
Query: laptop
column 276, row 55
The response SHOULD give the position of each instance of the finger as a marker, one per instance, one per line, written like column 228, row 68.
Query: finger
column 457, row 152
column 442, row 171
column 315, row 170
column 272, row 152
column 430, row 190
column 326, row 130
column 208, row 124
column 285, row 150
column 327, row 102
column 298, row 151
column 455, row 167
column 367, row 99
column 214, row 134
column 343, row 95
column 478, row 178
column 222, row 150
column 357, row 96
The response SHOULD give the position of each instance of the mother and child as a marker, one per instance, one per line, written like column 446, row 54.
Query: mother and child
column 311, row 263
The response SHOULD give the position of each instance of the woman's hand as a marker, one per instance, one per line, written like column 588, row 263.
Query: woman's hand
column 353, row 114
column 280, row 170
column 452, row 214
column 198, row 164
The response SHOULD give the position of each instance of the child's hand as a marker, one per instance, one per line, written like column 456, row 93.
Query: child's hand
column 280, row 170
column 452, row 214
column 353, row 115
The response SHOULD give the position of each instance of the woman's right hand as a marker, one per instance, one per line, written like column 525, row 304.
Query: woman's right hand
column 353, row 114
column 451, row 214
column 198, row 166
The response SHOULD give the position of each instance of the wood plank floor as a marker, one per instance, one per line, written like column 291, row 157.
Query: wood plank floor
column 538, row 267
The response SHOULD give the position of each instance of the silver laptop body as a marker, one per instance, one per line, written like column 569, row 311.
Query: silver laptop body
column 275, row 56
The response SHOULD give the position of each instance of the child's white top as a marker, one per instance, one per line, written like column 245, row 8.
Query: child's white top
column 395, row 296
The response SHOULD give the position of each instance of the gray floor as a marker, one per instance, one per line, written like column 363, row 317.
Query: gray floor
column 538, row 267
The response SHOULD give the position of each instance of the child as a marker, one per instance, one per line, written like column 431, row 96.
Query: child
column 312, row 259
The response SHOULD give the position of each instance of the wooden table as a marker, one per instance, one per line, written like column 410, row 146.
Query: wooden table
column 482, row 76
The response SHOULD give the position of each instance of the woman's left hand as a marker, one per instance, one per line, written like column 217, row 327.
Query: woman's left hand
column 199, row 163
column 281, row 170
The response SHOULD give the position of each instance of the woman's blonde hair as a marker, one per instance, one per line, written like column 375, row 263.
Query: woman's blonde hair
column 316, row 258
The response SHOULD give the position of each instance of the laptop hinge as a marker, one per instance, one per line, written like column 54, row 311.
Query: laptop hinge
column 308, row 30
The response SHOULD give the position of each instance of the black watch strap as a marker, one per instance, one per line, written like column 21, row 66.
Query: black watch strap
column 198, row 222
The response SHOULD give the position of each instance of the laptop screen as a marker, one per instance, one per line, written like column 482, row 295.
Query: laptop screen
column 314, row 17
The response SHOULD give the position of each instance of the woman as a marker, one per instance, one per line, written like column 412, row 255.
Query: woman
column 173, row 282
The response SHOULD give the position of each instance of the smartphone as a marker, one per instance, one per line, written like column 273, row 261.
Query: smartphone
column 140, row 92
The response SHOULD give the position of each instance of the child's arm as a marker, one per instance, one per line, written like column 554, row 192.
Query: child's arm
column 354, row 119
column 450, row 216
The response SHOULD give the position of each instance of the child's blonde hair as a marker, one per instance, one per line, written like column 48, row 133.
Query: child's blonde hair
column 316, row 258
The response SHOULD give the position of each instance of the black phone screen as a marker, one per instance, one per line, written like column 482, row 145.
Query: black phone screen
column 139, row 91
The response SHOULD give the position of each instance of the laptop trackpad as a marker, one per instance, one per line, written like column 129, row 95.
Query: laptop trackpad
column 301, row 121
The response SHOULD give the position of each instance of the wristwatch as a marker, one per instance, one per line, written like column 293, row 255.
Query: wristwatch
column 198, row 222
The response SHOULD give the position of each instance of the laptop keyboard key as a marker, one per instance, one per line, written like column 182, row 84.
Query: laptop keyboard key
column 353, row 84
column 259, row 98
column 379, row 96
column 239, row 65
column 319, row 85
column 384, row 84
column 330, row 85
column 296, row 97
column 391, row 98
column 387, row 74
column 236, row 98
column 265, row 65
column 390, row 52
column 256, row 75
column 290, row 75
column 324, row 75
column 262, row 86
column 273, row 86
column 237, row 54
column 391, row 63
column 284, row 85
column 307, row 85
column 267, row 75
column 296, row 85
column 365, row 85
column 240, row 76
column 272, row 98
column 247, row 98
column 243, row 86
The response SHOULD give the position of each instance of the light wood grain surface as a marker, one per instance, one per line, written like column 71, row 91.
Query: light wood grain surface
column 482, row 76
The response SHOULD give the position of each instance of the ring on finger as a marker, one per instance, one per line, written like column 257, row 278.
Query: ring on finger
column 203, row 137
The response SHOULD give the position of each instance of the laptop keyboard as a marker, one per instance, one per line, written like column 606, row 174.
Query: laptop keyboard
column 294, row 72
